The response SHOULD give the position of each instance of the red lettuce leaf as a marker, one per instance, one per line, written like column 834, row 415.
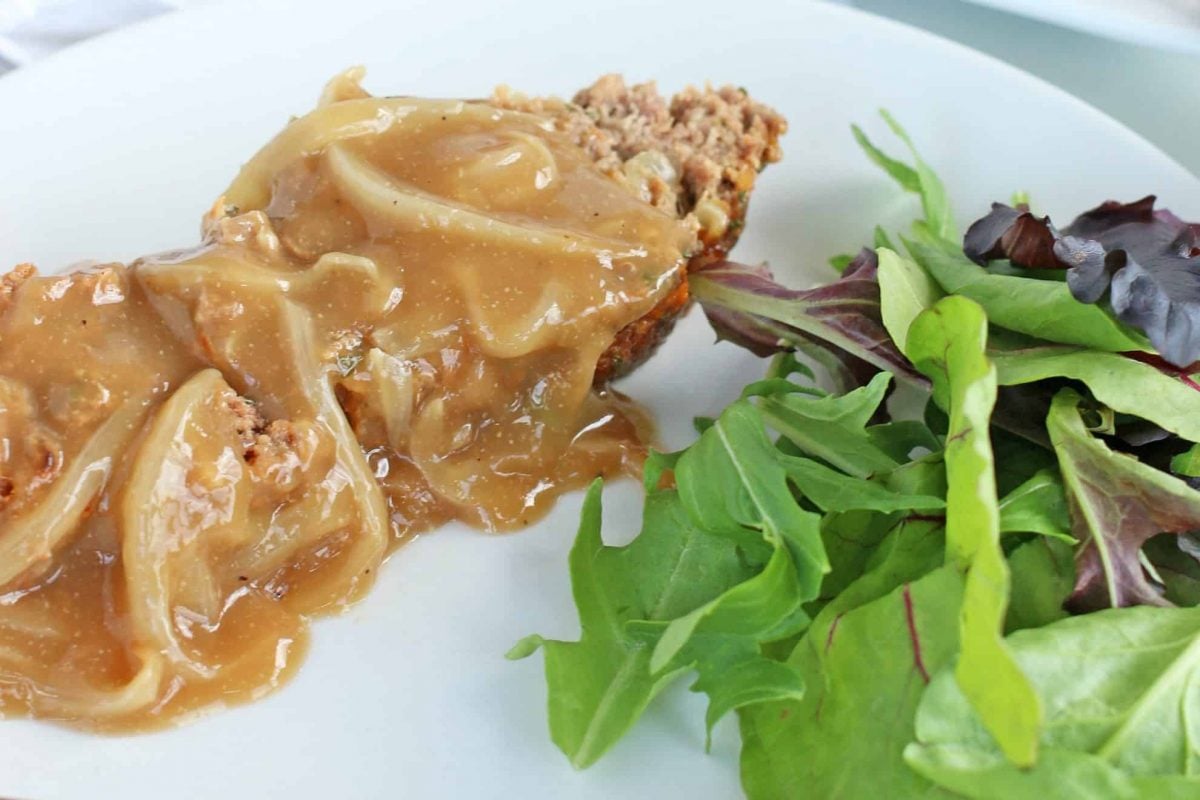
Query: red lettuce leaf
column 1146, row 260
column 1117, row 504
column 839, row 323
column 1015, row 234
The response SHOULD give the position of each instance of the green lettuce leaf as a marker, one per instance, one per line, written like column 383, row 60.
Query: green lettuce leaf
column 1123, row 720
column 866, row 668
column 948, row 343
column 1165, row 400
column 1038, row 308
column 905, row 290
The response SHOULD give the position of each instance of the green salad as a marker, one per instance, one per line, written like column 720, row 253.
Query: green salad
column 968, row 569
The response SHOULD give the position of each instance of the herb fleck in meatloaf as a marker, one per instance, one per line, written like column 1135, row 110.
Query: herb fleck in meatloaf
column 695, row 154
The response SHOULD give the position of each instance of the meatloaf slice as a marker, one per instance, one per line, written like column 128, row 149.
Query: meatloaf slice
column 695, row 155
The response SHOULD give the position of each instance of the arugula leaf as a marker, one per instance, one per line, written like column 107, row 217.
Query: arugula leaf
column 905, row 290
column 1125, row 686
column 732, row 483
column 919, row 179
column 1117, row 505
column 1167, row 401
column 833, row 428
column 947, row 343
column 681, row 595
column 857, row 541
column 830, row 490
column 600, row 685
column 1043, row 309
column 866, row 668
column 722, row 639
column 912, row 548
column 853, row 541
column 881, row 239
column 900, row 172
column 901, row 438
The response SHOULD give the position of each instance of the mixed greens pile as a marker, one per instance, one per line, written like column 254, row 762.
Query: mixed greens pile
column 995, row 598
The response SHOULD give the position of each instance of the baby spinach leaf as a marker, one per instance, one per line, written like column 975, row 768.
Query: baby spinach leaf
column 1043, row 309
column 600, row 685
column 1117, row 505
column 1122, row 721
column 866, row 668
column 947, row 343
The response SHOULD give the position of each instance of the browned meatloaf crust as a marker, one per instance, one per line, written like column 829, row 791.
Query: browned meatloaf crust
column 695, row 155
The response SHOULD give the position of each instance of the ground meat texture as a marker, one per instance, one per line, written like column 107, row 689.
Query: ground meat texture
column 695, row 154
column 276, row 452
column 11, row 282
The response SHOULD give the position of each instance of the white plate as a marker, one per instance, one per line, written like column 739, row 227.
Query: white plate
column 1173, row 24
column 114, row 149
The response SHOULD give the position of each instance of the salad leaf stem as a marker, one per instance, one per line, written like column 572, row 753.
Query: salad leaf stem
column 948, row 343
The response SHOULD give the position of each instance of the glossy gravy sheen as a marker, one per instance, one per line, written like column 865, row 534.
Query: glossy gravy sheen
column 393, row 321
